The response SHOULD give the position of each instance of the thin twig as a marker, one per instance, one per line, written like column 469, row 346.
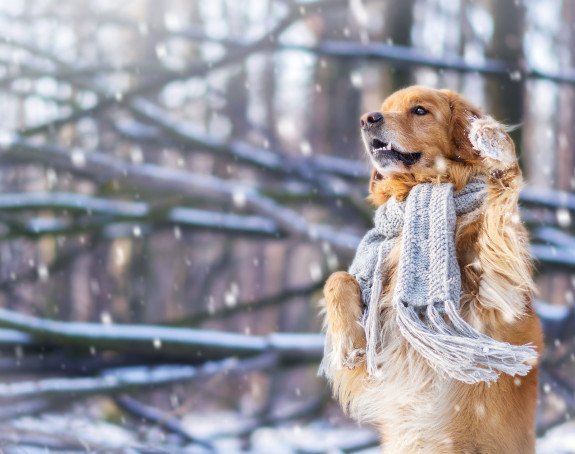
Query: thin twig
column 160, row 418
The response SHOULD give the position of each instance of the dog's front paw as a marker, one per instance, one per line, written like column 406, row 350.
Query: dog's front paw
column 354, row 358
column 492, row 143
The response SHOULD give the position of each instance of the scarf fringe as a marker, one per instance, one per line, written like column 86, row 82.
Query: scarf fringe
column 459, row 350
column 332, row 360
column 372, row 317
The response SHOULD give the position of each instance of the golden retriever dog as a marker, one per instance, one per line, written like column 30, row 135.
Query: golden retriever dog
column 426, row 135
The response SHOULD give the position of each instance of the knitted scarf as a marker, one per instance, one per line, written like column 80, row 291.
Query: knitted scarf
column 426, row 295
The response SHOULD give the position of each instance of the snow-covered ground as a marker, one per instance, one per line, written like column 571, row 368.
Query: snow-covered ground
column 559, row 440
column 75, row 433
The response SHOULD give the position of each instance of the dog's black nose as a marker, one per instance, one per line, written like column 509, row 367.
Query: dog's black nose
column 369, row 119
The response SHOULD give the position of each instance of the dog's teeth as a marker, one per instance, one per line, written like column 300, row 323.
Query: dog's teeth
column 388, row 146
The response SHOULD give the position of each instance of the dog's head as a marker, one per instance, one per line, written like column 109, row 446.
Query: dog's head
column 418, row 130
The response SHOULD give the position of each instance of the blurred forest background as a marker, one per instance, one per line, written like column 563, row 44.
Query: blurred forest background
column 179, row 178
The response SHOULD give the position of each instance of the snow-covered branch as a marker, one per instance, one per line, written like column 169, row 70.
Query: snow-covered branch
column 104, row 168
column 162, row 341
column 101, row 212
column 130, row 378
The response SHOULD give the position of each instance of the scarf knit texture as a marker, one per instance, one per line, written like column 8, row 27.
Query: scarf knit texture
column 426, row 295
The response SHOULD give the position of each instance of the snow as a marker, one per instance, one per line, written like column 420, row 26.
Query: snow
column 560, row 440
column 230, row 431
column 83, row 429
column 563, row 218
column 43, row 272
column 106, row 318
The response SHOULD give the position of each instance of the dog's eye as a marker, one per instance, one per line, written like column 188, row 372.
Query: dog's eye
column 418, row 110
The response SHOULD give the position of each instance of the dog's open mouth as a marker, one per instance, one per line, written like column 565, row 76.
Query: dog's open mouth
column 386, row 148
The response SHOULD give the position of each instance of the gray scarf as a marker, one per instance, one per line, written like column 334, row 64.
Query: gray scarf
column 428, row 285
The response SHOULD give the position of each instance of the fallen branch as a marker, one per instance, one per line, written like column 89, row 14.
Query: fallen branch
column 162, row 341
column 158, row 417
column 106, row 168
column 60, row 360
column 102, row 212
column 553, row 255
column 131, row 378
column 18, row 441
column 556, row 237
column 9, row 338
column 24, row 408
column 550, row 198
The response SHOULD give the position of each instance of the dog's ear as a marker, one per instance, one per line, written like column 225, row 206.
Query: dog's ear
column 375, row 177
column 462, row 113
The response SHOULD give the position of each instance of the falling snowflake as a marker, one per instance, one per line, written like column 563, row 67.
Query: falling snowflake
column 356, row 80
column 43, row 272
column 305, row 148
column 106, row 318
column 120, row 256
column 231, row 295
column 563, row 218
column 440, row 164
column 78, row 158
column 7, row 138
column 143, row 28
column 239, row 198
column 211, row 305
column 161, row 50
column 136, row 155
column 515, row 75
column 359, row 11
column 315, row 271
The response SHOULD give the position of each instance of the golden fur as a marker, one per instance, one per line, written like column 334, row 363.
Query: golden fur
column 415, row 409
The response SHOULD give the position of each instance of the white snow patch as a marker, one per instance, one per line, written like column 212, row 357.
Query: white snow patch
column 86, row 430
column 7, row 138
column 106, row 318
column 43, row 272
column 563, row 218
column 561, row 440
column 78, row 158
